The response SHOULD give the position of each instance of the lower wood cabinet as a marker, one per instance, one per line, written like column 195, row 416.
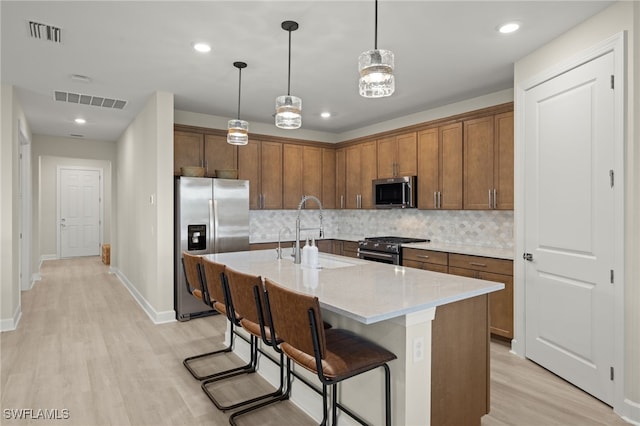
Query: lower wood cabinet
column 436, row 261
column 484, row 268
column 500, row 302
column 350, row 248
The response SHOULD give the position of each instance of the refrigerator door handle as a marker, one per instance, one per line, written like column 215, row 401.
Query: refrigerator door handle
column 212, row 236
column 214, row 227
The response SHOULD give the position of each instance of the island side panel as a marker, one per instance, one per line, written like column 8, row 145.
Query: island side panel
column 460, row 363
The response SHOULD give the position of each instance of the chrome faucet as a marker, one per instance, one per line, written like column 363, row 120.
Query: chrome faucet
column 279, row 249
column 297, row 258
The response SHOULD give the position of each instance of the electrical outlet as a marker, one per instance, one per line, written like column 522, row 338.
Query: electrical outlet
column 418, row 349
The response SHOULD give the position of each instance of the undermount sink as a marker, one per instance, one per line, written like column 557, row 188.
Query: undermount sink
column 333, row 264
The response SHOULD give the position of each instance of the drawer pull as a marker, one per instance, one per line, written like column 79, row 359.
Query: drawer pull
column 484, row 265
column 423, row 256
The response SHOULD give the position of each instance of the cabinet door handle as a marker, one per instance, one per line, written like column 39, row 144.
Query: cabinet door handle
column 423, row 256
column 435, row 199
column 342, row 201
column 490, row 200
column 483, row 265
column 495, row 199
column 439, row 199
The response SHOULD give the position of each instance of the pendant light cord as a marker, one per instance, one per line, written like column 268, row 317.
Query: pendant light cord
column 239, row 88
column 375, row 38
column 289, row 71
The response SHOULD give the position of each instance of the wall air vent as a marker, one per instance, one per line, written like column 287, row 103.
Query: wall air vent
column 45, row 32
column 100, row 101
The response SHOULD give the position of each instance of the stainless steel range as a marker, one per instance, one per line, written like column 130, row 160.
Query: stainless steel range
column 385, row 249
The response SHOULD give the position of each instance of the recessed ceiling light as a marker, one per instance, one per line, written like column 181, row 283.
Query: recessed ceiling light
column 202, row 47
column 325, row 114
column 509, row 27
column 80, row 120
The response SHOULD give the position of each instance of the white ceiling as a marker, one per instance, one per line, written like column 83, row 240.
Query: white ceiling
column 445, row 51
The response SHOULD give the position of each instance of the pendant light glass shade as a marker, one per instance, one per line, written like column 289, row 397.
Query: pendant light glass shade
column 289, row 108
column 238, row 133
column 376, row 73
column 376, row 70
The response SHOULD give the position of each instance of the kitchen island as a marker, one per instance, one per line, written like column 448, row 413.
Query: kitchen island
column 436, row 324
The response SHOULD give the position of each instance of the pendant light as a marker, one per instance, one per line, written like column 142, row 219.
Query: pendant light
column 288, row 108
column 238, row 129
column 376, row 70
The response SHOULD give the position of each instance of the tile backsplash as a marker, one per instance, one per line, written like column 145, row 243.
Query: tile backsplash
column 472, row 227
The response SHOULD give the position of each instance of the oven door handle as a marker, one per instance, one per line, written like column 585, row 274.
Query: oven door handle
column 375, row 254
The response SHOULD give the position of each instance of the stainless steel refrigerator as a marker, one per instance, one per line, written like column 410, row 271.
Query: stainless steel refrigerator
column 211, row 216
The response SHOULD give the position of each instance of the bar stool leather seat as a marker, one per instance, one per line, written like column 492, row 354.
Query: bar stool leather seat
column 332, row 354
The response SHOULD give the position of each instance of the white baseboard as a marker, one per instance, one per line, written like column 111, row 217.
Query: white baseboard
column 631, row 412
column 46, row 257
column 11, row 323
column 156, row 317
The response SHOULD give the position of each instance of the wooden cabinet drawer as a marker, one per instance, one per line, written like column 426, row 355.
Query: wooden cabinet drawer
column 479, row 263
column 426, row 266
column 428, row 256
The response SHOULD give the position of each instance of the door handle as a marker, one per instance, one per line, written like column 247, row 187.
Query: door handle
column 528, row 257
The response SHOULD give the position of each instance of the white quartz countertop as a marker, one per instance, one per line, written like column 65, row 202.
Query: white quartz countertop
column 365, row 291
column 498, row 253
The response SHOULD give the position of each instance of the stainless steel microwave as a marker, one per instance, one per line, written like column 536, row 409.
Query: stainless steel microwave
column 399, row 192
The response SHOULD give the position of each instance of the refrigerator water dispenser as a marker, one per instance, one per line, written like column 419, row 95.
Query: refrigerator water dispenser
column 196, row 237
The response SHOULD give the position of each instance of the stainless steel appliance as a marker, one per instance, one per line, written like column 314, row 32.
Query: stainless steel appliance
column 398, row 192
column 211, row 216
column 385, row 249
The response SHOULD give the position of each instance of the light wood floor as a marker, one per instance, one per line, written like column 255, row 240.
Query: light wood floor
column 84, row 345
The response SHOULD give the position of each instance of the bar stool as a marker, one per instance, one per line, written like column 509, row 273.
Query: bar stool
column 209, row 291
column 246, row 293
column 240, row 302
column 333, row 354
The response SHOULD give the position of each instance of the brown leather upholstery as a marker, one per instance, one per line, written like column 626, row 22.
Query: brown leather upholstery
column 212, row 273
column 343, row 353
column 191, row 263
column 241, row 287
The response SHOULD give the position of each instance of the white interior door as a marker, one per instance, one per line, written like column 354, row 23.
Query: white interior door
column 79, row 212
column 569, row 225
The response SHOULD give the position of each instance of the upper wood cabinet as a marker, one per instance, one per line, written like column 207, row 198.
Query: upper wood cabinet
column 488, row 163
column 260, row 162
column 188, row 148
column 218, row 154
column 440, row 167
column 360, row 171
column 328, row 178
column 503, row 173
column 302, row 174
column 341, row 178
column 397, row 156
column 205, row 150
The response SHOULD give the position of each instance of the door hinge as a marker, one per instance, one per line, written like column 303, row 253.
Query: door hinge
column 611, row 276
column 612, row 81
column 611, row 177
column 611, row 373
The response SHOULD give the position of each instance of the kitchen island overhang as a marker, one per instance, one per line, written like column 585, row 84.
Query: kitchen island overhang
column 395, row 307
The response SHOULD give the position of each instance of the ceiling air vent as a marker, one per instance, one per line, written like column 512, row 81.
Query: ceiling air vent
column 100, row 101
column 45, row 32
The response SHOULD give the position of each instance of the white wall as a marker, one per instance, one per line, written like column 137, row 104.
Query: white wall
column 11, row 115
column 49, row 153
column 142, row 253
column 621, row 16
column 215, row 122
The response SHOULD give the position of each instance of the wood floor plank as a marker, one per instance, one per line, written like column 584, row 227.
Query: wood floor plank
column 85, row 345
